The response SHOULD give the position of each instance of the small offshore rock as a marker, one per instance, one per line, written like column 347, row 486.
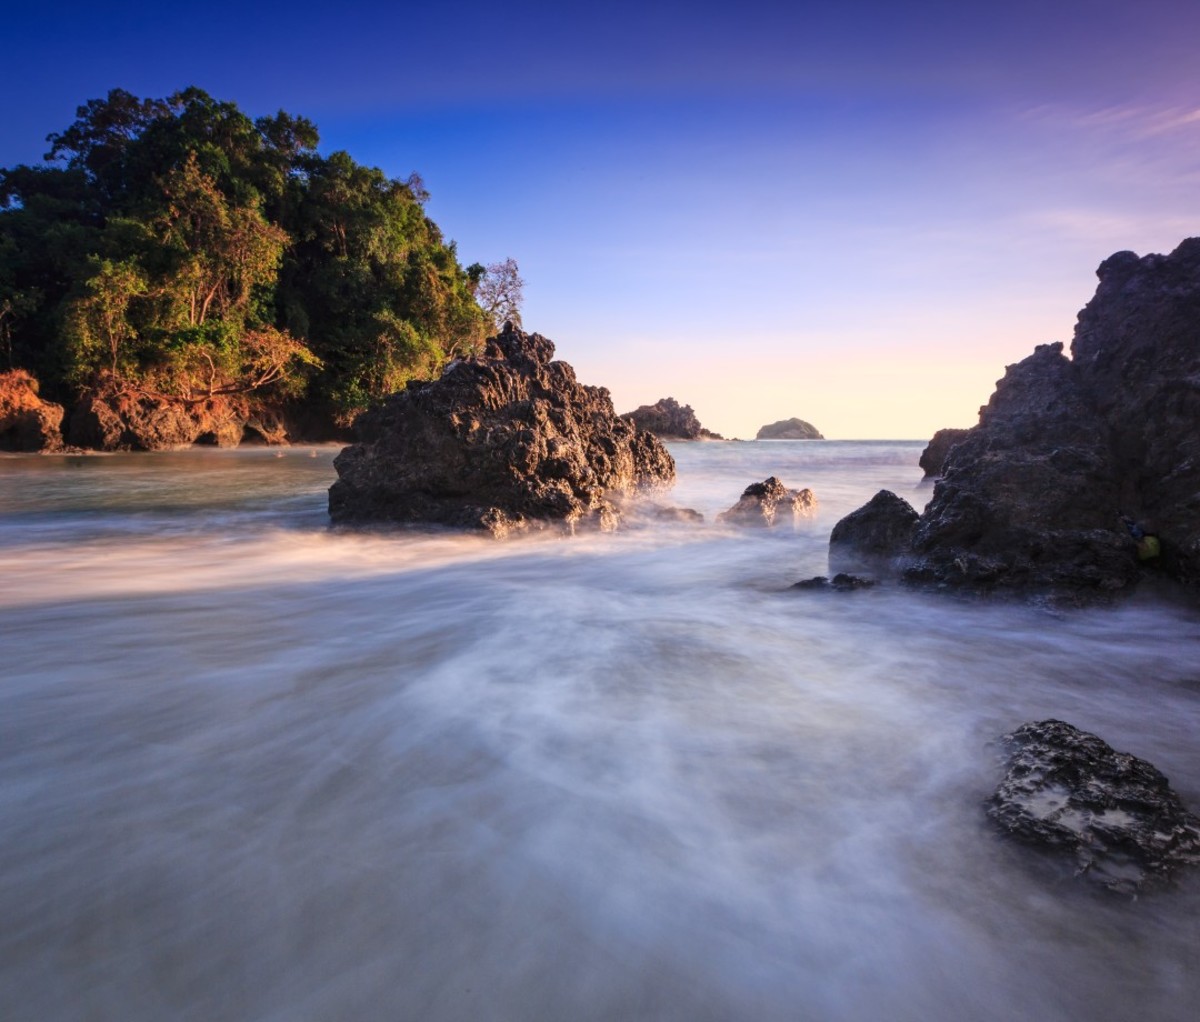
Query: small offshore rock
column 667, row 419
column 789, row 429
column 1114, row 816
column 766, row 504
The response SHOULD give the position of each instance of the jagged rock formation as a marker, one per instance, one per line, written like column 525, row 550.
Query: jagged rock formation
column 115, row 418
column 27, row 423
column 769, row 503
column 878, row 532
column 667, row 419
column 789, row 429
column 501, row 442
column 934, row 455
column 1074, row 457
column 1112, row 814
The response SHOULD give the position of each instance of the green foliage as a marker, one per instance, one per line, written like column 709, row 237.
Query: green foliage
column 177, row 245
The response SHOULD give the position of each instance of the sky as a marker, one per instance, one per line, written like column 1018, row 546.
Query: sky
column 853, row 213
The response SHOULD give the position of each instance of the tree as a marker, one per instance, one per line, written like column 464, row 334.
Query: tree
column 99, row 331
column 220, row 251
column 498, row 288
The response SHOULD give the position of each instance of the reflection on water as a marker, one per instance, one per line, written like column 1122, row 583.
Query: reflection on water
column 254, row 768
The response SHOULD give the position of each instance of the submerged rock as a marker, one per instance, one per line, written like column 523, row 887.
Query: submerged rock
column 27, row 423
column 1114, row 816
column 501, row 442
column 789, row 429
column 667, row 419
column 761, row 504
column 841, row 582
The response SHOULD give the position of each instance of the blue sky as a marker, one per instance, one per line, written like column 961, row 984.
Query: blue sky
column 854, row 213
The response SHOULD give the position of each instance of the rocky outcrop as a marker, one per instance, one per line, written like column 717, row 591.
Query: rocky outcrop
column 789, row 429
column 769, row 503
column 27, row 423
column 1030, row 497
column 669, row 420
column 877, row 533
column 501, row 442
column 934, row 456
column 116, row 418
column 1112, row 816
column 1073, row 460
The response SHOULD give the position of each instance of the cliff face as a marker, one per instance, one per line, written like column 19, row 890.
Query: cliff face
column 501, row 443
column 1073, row 459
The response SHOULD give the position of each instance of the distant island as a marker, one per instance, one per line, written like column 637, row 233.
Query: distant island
column 789, row 429
column 667, row 419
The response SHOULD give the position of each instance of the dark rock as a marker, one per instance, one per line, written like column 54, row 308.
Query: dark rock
column 1029, row 497
column 501, row 442
column 878, row 532
column 761, row 504
column 789, row 429
column 669, row 420
column 841, row 582
column 1137, row 350
column 1114, row 816
column 27, row 423
column 1075, row 462
column 934, row 455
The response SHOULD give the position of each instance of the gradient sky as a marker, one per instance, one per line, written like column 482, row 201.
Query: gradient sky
column 855, row 213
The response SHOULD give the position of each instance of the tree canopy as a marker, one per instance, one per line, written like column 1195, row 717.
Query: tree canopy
column 180, row 246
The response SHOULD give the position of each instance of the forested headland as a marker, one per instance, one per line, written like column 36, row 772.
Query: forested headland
column 176, row 250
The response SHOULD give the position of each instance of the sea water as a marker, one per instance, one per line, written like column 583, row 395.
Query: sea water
column 252, row 767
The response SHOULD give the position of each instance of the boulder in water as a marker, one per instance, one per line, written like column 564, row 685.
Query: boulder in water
column 878, row 532
column 501, row 442
column 1112, row 815
column 768, row 504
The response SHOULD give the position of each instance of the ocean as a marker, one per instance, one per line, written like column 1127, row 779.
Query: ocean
column 256, row 768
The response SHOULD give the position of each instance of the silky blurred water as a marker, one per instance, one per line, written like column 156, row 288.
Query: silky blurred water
column 255, row 768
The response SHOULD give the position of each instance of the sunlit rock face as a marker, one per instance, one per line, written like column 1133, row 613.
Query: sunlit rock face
column 1073, row 460
column 1111, row 816
column 27, row 423
column 502, row 442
